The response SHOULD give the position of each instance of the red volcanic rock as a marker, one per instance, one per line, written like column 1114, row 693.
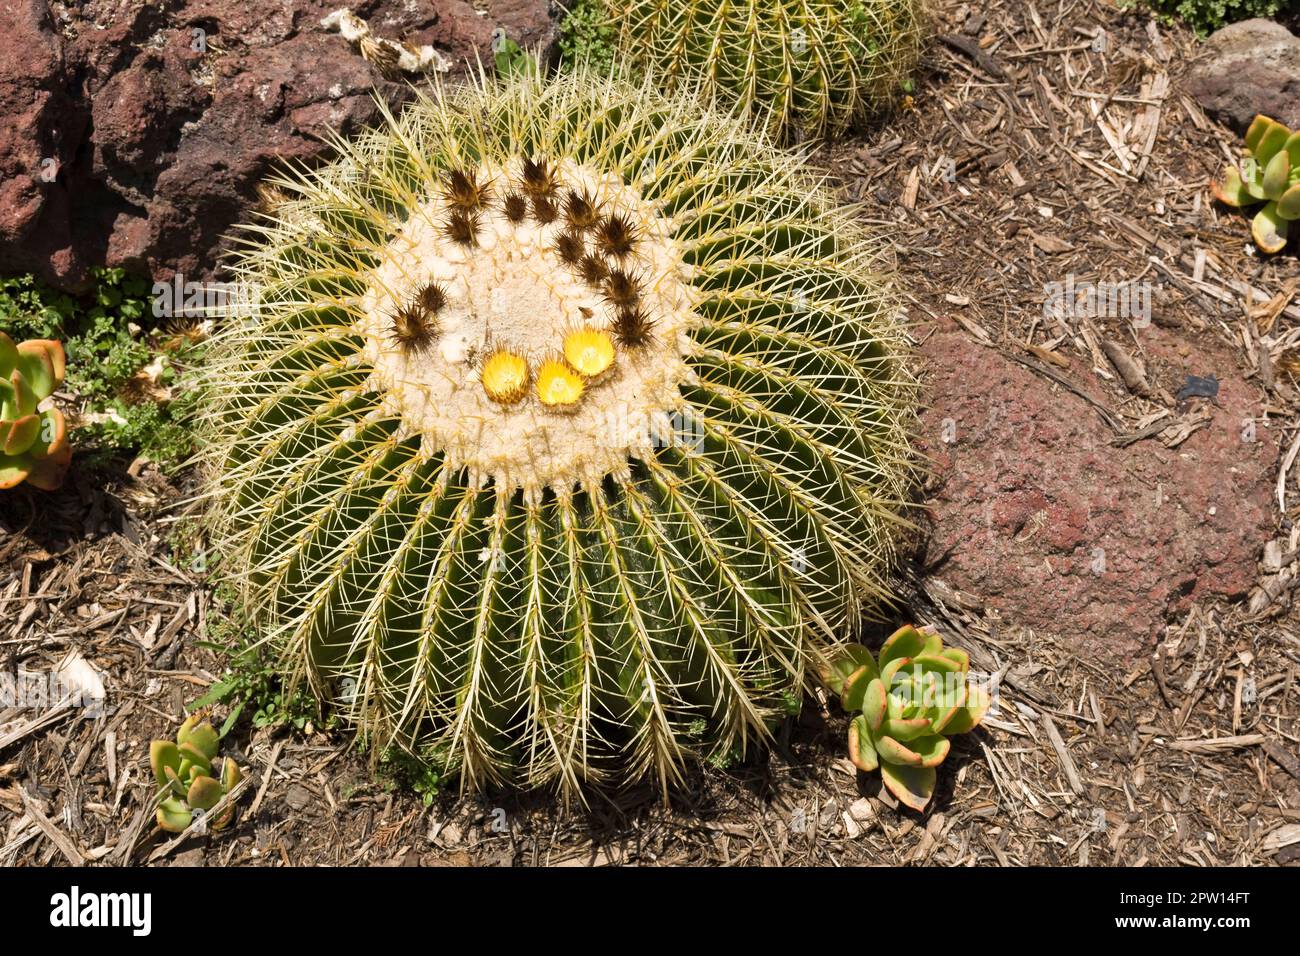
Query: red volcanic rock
column 1037, row 513
column 161, row 118
column 41, row 125
column 1249, row 67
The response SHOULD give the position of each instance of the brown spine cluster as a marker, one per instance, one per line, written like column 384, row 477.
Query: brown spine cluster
column 464, row 192
column 415, row 325
column 539, row 178
column 633, row 326
column 432, row 298
column 570, row 248
column 516, row 208
column 545, row 211
column 616, row 236
column 462, row 227
column 620, row 289
column 580, row 211
column 613, row 239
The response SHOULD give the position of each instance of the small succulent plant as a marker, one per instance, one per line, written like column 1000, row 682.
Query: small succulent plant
column 910, row 698
column 187, row 776
column 1269, row 174
column 568, row 436
column 34, row 444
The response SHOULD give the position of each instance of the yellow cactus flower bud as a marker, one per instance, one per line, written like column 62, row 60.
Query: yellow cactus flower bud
column 505, row 377
column 589, row 351
column 557, row 384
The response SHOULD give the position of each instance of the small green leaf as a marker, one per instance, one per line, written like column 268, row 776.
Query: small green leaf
column 25, row 400
column 1232, row 191
column 1255, row 132
column 230, row 721
column 938, row 662
column 911, row 786
column 905, row 729
column 874, row 704
column 1275, row 175
column 861, row 750
column 178, row 780
column 1270, row 141
column 1269, row 229
column 173, row 816
column 205, row 739
column 907, row 641
column 192, row 756
column 932, row 749
column 8, row 355
column 510, row 59
column 183, row 733
column 957, row 656
column 20, row 434
column 14, row 471
column 34, row 362
column 204, row 793
column 889, row 672
column 8, row 399
column 846, row 662
column 1288, row 207
column 967, row 718
column 891, row 751
column 856, row 686
column 218, row 692
column 1292, row 149
column 163, row 754
column 230, row 774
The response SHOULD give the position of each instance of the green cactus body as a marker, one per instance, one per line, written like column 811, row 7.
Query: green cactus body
column 1270, row 174
column 810, row 68
column 908, row 700
column 569, row 431
column 34, row 444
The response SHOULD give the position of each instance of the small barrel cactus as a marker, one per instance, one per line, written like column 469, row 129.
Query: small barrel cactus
column 185, row 777
column 568, row 434
column 1270, row 174
column 810, row 68
column 909, row 700
column 34, row 444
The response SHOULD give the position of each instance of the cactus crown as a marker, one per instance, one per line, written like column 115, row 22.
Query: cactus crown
column 638, row 470
column 34, row 444
column 511, row 306
column 809, row 68
column 1269, row 174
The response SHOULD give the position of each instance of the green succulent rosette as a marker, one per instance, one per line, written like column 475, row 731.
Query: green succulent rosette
column 33, row 442
column 907, row 701
column 1270, row 174
column 188, row 777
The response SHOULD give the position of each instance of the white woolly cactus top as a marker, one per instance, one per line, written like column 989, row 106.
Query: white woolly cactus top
column 522, row 286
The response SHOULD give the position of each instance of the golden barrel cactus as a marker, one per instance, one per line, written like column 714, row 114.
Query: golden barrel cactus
column 567, row 436
column 809, row 68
